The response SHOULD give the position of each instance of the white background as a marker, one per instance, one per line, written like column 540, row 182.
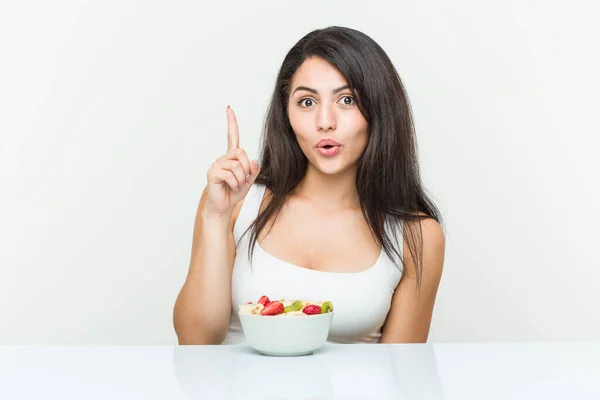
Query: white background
column 111, row 112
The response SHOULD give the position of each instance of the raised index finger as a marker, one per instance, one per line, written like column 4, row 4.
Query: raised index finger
column 233, row 135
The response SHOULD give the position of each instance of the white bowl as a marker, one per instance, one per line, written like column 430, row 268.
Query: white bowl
column 286, row 335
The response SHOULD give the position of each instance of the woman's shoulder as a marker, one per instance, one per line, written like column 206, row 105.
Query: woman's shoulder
column 429, row 225
column 433, row 241
column 431, row 229
column 255, row 190
column 236, row 212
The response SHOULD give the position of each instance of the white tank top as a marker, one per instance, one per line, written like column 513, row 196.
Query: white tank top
column 361, row 300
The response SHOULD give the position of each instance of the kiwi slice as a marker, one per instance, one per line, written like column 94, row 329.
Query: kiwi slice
column 326, row 307
column 295, row 306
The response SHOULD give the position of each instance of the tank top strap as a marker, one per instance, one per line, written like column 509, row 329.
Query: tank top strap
column 396, row 233
column 248, row 211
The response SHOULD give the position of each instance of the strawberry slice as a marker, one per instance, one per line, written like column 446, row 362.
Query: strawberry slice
column 273, row 308
column 264, row 300
column 312, row 309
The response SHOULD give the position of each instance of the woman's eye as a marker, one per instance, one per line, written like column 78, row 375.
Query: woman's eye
column 306, row 103
column 347, row 100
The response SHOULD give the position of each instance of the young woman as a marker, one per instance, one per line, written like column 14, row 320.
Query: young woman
column 334, row 211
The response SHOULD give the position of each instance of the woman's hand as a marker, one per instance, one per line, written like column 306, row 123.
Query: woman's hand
column 231, row 175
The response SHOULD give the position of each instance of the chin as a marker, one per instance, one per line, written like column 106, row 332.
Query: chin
column 330, row 168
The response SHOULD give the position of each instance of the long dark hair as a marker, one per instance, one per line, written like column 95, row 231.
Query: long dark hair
column 388, row 178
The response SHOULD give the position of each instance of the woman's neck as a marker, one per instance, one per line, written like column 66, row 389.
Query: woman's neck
column 329, row 191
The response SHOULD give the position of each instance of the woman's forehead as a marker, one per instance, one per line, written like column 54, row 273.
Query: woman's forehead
column 318, row 74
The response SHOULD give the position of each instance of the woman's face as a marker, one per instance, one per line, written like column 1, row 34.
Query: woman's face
column 321, row 108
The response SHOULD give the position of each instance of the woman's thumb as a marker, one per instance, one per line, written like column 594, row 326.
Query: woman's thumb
column 254, row 170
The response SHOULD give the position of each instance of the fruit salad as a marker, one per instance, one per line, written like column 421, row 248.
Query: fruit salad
column 265, row 306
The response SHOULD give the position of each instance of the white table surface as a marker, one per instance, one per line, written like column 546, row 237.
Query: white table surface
column 416, row 371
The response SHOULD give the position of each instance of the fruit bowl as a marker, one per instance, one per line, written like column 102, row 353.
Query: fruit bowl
column 280, row 328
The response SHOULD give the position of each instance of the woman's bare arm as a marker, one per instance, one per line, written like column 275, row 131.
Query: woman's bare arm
column 409, row 318
column 203, row 307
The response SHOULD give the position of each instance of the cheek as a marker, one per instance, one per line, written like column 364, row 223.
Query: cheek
column 360, row 137
column 300, row 126
column 361, row 145
column 365, row 137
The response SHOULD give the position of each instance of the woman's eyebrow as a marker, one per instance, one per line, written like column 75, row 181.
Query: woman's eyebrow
column 334, row 91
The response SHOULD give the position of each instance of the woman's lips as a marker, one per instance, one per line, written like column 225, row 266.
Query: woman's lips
column 327, row 142
column 328, row 151
column 328, row 147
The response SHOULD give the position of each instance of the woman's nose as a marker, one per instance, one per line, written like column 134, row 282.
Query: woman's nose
column 326, row 118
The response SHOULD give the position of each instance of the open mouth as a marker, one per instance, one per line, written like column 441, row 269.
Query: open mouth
column 328, row 150
column 328, row 147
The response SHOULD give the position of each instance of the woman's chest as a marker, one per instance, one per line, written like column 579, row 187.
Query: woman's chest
column 317, row 241
column 361, row 300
